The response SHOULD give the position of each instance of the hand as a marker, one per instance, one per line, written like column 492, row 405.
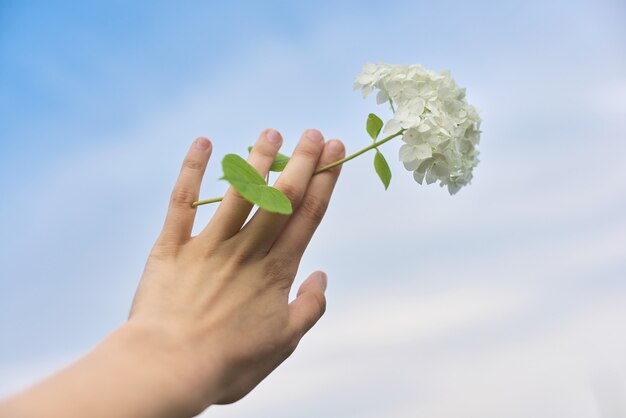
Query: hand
column 211, row 316
column 216, row 305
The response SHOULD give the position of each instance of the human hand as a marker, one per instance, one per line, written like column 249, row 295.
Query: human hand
column 215, row 305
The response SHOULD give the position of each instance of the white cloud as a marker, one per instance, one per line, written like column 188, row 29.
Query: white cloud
column 609, row 99
column 550, row 373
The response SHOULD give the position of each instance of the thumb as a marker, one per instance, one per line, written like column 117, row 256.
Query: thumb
column 309, row 305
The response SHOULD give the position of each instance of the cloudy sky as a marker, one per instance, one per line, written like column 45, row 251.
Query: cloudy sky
column 508, row 299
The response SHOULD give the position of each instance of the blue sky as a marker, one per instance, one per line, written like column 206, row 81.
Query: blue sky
column 504, row 300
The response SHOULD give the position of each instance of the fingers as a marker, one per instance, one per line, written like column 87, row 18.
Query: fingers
column 259, row 234
column 309, row 306
column 296, row 235
column 180, row 214
column 234, row 210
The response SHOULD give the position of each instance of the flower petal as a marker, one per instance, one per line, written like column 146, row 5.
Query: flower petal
column 392, row 126
column 382, row 97
column 411, row 165
column 408, row 153
column 423, row 151
column 419, row 177
column 440, row 169
column 424, row 127
column 365, row 79
column 430, row 177
column 425, row 165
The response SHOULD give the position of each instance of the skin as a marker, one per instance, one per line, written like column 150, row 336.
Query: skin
column 211, row 316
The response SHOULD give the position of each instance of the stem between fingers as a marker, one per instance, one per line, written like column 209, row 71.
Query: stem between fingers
column 206, row 201
column 356, row 154
column 322, row 169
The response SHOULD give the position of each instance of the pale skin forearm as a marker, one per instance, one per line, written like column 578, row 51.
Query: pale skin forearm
column 124, row 376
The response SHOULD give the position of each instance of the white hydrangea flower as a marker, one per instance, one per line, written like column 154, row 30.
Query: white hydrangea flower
column 440, row 129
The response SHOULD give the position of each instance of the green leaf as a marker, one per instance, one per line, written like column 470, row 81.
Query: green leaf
column 373, row 126
column 382, row 169
column 252, row 187
column 279, row 163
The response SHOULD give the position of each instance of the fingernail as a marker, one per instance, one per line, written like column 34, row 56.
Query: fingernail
column 335, row 147
column 314, row 135
column 273, row 136
column 202, row 143
column 323, row 280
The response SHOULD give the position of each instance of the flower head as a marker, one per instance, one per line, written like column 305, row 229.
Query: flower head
column 440, row 129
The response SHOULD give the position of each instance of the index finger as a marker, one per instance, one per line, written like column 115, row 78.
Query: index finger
column 181, row 215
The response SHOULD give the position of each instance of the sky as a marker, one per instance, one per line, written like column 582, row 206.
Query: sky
column 507, row 299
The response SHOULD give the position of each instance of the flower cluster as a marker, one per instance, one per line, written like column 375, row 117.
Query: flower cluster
column 439, row 128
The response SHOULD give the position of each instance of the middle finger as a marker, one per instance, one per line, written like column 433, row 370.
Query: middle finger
column 259, row 234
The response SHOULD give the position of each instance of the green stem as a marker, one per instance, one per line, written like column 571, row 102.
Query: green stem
column 391, row 104
column 356, row 154
column 322, row 169
column 204, row 202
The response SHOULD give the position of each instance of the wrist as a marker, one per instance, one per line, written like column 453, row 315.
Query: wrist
column 143, row 371
column 185, row 381
column 131, row 373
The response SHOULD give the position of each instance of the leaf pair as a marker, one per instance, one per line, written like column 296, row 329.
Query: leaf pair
column 252, row 187
column 373, row 126
column 280, row 162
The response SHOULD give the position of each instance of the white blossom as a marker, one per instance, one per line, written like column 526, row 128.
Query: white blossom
column 440, row 129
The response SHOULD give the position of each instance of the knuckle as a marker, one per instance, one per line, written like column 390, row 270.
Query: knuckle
column 237, row 198
column 314, row 208
column 182, row 198
column 309, row 152
column 238, row 255
column 292, row 192
column 231, row 268
column 202, row 248
column 163, row 250
column 265, row 151
column 334, row 171
column 192, row 164
column 280, row 269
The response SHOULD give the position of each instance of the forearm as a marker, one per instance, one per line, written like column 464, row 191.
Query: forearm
column 122, row 377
